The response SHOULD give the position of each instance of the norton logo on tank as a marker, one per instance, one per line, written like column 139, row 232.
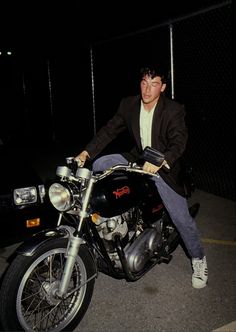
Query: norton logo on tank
column 121, row 191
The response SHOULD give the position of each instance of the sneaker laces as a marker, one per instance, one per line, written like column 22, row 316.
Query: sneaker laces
column 200, row 273
column 198, row 268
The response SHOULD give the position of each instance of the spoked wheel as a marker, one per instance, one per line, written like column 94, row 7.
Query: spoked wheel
column 28, row 297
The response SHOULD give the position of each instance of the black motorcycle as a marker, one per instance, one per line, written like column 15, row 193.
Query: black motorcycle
column 112, row 222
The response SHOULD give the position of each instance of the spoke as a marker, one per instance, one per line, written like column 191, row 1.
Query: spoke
column 48, row 314
column 81, row 285
column 29, row 314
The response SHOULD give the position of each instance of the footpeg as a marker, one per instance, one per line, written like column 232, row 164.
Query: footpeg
column 163, row 257
column 166, row 258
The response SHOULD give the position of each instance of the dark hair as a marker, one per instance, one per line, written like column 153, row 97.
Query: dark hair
column 153, row 71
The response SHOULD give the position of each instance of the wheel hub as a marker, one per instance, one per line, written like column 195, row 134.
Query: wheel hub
column 49, row 292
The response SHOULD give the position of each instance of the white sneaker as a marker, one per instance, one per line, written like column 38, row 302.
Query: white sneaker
column 199, row 277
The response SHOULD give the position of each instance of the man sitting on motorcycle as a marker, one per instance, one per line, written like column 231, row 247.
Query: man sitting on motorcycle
column 154, row 120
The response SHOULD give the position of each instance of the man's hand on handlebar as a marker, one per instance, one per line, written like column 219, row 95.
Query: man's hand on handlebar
column 81, row 158
column 148, row 167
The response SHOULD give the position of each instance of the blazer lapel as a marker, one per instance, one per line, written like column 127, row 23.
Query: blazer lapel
column 135, row 123
column 156, row 119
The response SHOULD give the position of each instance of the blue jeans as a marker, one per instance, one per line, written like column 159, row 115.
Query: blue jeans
column 175, row 204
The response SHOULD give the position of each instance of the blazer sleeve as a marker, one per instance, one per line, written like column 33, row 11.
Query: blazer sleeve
column 176, row 135
column 106, row 134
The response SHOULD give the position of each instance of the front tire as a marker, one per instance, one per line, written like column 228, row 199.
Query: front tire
column 28, row 300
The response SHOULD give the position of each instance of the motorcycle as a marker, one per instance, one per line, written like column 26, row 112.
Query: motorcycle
column 113, row 222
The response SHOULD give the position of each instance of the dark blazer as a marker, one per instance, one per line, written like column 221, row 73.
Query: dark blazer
column 169, row 135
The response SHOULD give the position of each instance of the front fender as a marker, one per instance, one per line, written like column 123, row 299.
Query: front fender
column 29, row 247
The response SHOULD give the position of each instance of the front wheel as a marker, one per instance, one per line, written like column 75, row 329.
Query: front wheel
column 28, row 300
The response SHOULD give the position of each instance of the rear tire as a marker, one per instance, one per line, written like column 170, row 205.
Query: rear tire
column 28, row 300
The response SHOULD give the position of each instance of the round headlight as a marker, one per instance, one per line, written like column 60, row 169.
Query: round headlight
column 60, row 197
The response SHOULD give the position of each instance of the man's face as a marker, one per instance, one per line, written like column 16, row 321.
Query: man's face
column 151, row 88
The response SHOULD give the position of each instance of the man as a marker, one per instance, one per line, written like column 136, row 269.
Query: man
column 154, row 120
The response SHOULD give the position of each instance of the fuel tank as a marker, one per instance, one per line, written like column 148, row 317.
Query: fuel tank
column 117, row 193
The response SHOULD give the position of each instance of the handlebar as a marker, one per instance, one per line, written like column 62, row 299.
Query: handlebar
column 131, row 167
column 79, row 172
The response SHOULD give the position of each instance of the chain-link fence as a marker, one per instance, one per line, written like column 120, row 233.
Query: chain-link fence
column 197, row 49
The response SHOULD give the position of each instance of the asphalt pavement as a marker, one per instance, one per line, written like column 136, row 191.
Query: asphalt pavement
column 164, row 300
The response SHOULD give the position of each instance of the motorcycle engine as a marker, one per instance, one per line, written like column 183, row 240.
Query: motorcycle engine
column 109, row 227
column 145, row 242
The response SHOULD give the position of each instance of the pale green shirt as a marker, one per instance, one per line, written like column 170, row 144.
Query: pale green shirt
column 145, row 122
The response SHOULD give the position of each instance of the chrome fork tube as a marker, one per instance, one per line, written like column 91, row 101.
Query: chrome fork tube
column 59, row 219
column 74, row 244
column 83, row 213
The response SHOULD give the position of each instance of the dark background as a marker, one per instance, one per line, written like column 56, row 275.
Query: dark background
column 49, row 96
